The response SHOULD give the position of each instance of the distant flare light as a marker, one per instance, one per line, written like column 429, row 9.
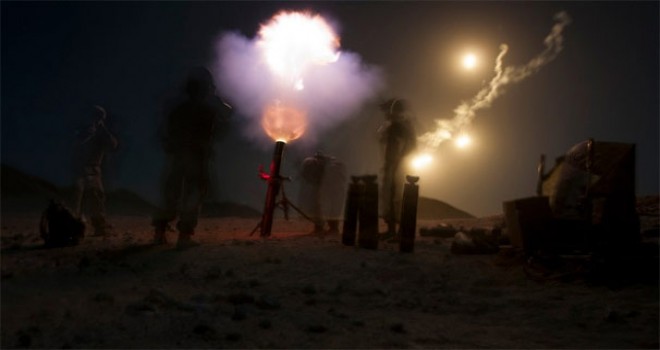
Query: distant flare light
column 463, row 141
column 421, row 161
column 469, row 61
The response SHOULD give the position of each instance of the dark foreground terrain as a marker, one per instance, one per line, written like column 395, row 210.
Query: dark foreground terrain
column 301, row 291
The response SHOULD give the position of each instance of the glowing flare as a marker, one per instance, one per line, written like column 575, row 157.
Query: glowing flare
column 283, row 123
column 465, row 113
column 291, row 42
column 463, row 141
column 469, row 61
column 420, row 161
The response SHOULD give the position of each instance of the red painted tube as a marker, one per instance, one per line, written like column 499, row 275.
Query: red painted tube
column 274, row 183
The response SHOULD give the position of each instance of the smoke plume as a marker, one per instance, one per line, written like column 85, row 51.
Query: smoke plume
column 332, row 92
column 466, row 111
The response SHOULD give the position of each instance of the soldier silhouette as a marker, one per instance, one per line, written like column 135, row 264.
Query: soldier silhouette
column 189, row 132
column 398, row 140
column 92, row 143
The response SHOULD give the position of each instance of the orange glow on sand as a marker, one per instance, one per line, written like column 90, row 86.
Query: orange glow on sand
column 283, row 123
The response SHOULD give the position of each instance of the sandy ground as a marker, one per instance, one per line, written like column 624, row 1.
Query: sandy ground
column 299, row 291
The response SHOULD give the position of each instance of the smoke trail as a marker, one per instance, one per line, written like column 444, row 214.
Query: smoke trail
column 332, row 92
column 466, row 112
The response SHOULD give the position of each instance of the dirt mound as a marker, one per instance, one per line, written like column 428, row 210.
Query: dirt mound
column 17, row 183
column 433, row 209
column 24, row 193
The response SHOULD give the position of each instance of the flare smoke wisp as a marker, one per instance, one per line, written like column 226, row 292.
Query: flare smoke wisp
column 447, row 129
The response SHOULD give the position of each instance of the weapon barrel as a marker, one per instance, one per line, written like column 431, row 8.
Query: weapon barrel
column 274, row 182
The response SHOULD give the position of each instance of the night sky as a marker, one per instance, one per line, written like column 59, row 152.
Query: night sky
column 60, row 57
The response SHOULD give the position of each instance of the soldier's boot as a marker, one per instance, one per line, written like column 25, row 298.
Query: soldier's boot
column 333, row 226
column 318, row 227
column 159, row 234
column 185, row 240
column 101, row 227
column 391, row 231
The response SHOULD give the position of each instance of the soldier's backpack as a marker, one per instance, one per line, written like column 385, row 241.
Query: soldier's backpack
column 59, row 227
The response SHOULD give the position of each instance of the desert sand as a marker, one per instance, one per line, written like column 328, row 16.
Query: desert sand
column 296, row 290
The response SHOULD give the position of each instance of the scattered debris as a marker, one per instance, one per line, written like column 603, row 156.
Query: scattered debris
column 398, row 328
column 204, row 331
column 265, row 324
column 240, row 313
column 139, row 308
column 442, row 230
column 309, row 289
column 474, row 242
column 233, row 336
column 240, row 298
column 103, row 298
column 317, row 329
column 267, row 302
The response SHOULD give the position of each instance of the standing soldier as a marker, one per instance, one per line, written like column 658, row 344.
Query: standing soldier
column 190, row 128
column 398, row 139
column 91, row 145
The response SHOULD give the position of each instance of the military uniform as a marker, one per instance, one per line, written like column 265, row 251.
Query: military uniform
column 89, row 194
column 189, row 131
column 398, row 138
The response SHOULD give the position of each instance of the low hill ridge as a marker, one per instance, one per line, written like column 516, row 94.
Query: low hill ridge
column 23, row 192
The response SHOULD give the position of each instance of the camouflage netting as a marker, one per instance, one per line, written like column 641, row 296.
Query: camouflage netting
column 602, row 190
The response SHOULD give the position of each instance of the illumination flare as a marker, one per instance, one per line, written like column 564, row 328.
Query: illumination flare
column 466, row 111
column 469, row 61
column 463, row 141
column 421, row 161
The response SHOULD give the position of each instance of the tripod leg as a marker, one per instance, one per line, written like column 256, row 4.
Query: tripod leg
column 286, row 202
column 301, row 213
column 256, row 228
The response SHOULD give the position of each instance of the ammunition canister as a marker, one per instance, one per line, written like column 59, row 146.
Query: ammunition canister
column 368, row 214
column 408, row 225
column 353, row 199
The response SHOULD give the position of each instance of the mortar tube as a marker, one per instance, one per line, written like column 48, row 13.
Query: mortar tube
column 274, row 183
column 353, row 200
column 408, row 226
column 540, row 169
column 368, row 214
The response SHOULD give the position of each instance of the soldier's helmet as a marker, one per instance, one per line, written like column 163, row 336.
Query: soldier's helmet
column 394, row 106
column 199, row 82
column 97, row 113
